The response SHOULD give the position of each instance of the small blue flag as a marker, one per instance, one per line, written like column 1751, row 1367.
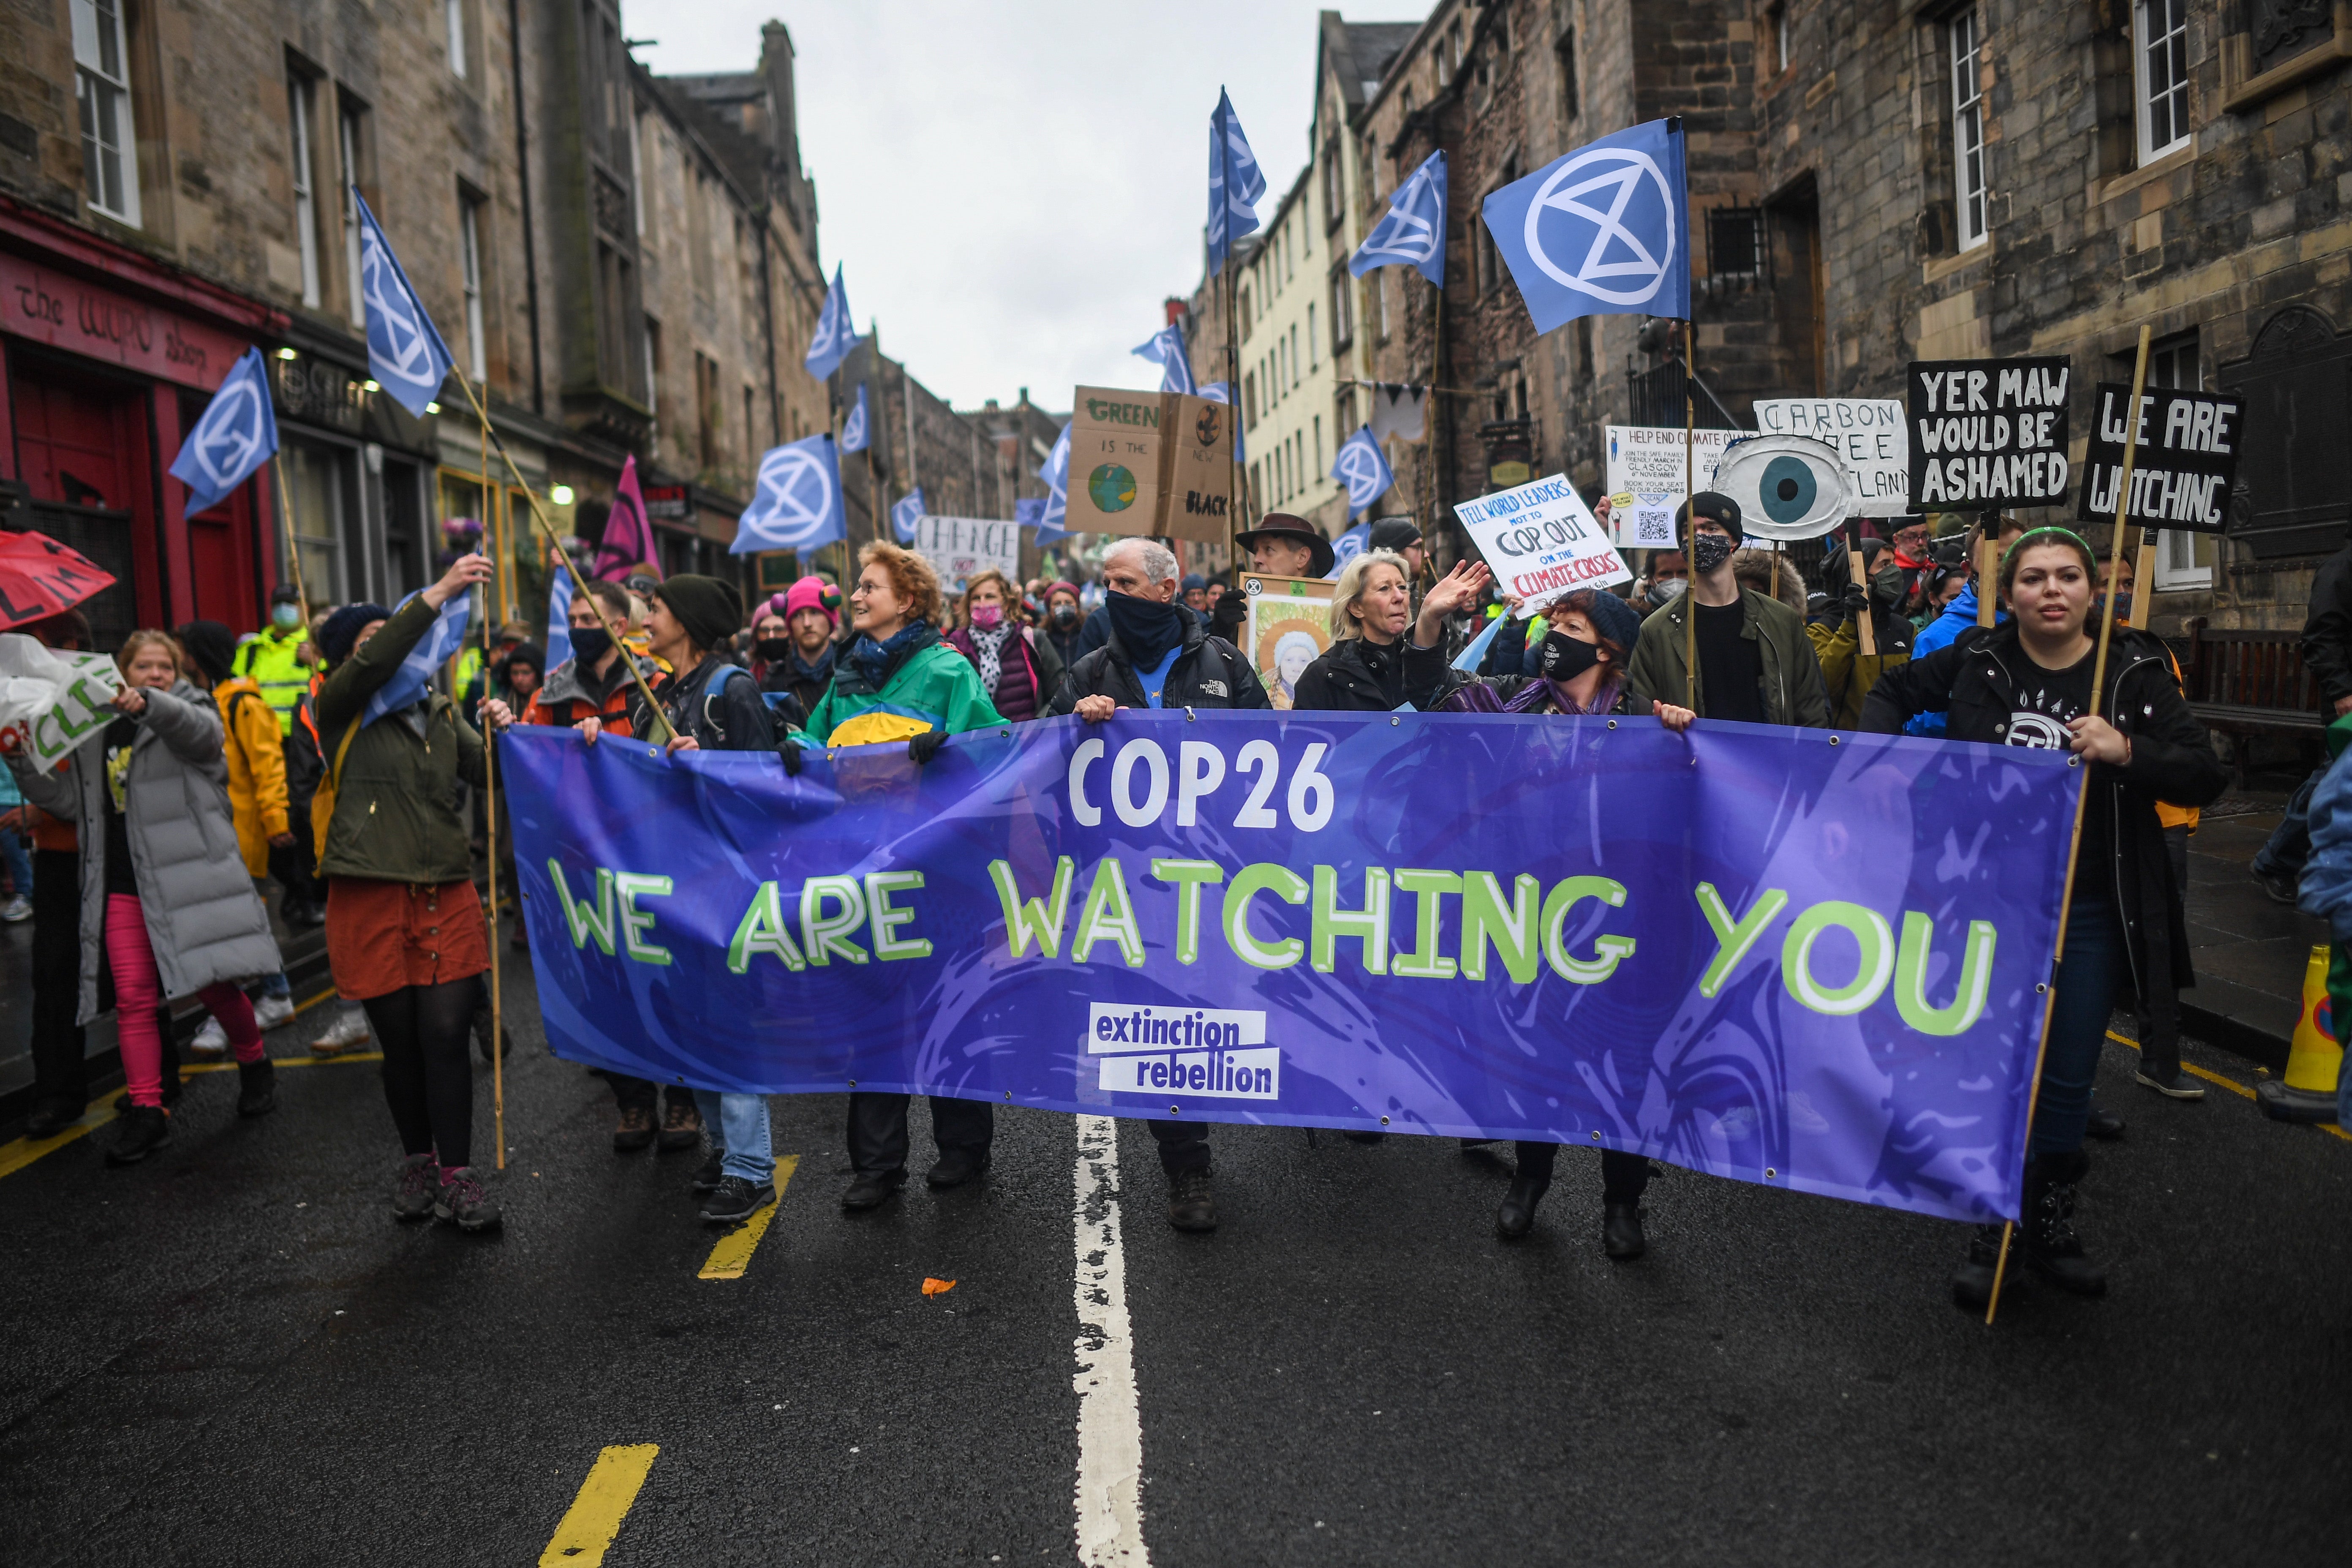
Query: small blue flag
column 1413, row 233
column 905, row 514
column 559, row 621
column 1602, row 231
column 1346, row 547
column 1363, row 468
column 797, row 502
column 1236, row 182
column 434, row 649
column 1056, row 475
column 835, row 336
column 406, row 353
column 1468, row 661
column 1166, row 349
column 1028, row 514
column 853, row 429
column 238, row 434
column 1218, row 392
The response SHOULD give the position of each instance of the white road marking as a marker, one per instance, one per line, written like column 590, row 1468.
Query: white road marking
column 1111, row 1427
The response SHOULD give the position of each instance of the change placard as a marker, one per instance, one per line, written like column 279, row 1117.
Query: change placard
column 1873, row 438
column 50, row 701
column 1988, row 433
column 1156, row 463
column 1646, row 480
column 2184, row 464
column 1542, row 541
column 959, row 547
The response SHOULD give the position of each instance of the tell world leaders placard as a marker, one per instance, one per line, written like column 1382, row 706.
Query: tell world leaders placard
column 1542, row 541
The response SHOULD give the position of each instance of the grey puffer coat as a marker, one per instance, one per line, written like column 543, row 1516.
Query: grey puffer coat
column 203, row 918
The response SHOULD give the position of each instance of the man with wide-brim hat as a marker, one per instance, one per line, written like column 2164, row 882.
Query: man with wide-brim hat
column 1282, row 546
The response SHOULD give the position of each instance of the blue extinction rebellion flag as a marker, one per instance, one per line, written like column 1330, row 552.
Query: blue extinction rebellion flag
column 1604, row 231
column 905, row 514
column 835, row 337
column 1166, row 349
column 1236, row 182
column 238, row 434
column 1361, row 467
column 435, row 649
column 797, row 505
column 1412, row 233
column 406, row 353
column 853, row 429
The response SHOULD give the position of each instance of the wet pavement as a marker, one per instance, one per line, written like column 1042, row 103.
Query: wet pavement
column 2250, row 951
column 233, row 1354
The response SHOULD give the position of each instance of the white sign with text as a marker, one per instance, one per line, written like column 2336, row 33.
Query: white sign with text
column 1542, row 541
column 959, row 547
column 1646, row 476
column 1872, row 435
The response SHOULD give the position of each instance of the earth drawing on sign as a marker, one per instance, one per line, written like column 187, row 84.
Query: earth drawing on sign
column 1111, row 488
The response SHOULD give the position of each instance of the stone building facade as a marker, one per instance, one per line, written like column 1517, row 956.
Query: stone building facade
column 172, row 192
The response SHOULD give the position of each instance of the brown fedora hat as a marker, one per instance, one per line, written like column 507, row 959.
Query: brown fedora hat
column 1295, row 531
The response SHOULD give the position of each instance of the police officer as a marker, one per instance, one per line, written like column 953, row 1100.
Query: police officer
column 272, row 658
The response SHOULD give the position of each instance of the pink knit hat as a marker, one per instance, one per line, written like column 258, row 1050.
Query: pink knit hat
column 808, row 594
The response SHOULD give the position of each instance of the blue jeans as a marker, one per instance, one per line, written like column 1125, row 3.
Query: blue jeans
column 276, row 985
column 2088, row 978
column 2289, row 845
column 20, row 864
column 736, row 1126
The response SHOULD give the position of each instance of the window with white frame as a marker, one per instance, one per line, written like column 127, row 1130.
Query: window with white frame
column 470, row 238
column 109, row 174
column 306, row 201
column 453, row 12
column 1968, row 129
column 348, row 145
column 1343, row 323
column 2178, row 550
column 2160, row 49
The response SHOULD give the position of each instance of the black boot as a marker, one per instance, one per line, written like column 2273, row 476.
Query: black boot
column 1516, row 1214
column 1972, row 1281
column 1192, row 1202
column 1621, row 1232
column 257, row 1088
column 2104, row 1125
column 2051, row 1248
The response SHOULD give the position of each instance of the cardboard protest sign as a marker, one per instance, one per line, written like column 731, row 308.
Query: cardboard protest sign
column 1541, row 542
column 1646, row 480
column 1287, row 628
column 1873, row 438
column 1149, row 463
column 2182, row 468
column 50, row 701
column 957, row 547
column 1986, row 432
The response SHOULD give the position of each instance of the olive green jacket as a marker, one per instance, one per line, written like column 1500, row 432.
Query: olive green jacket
column 1791, row 680
column 399, row 799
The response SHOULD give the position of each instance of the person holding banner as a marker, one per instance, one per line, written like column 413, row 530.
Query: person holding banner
column 1755, row 661
column 1580, row 663
column 2029, row 683
column 167, row 908
column 899, row 681
column 405, row 937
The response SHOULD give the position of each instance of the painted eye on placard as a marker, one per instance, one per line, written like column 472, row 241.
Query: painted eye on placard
column 1787, row 487
column 1788, row 490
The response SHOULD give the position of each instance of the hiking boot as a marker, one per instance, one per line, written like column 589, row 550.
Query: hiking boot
column 257, row 1088
column 211, row 1043
column 872, row 1189
column 143, row 1129
column 1621, row 1232
column 681, row 1126
column 636, row 1131
column 737, row 1198
column 2104, row 1125
column 348, row 1032
column 271, row 1011
column 707, row 1175
column 171, row 1096
column 2169, row 1080
column 1516, row 1214
column 462, row 1202
column 1192, row 1202
column 1972, row 1281
column 419, row 1184
column 957, row 1166
column 2051, row 1248
column 2282, row 886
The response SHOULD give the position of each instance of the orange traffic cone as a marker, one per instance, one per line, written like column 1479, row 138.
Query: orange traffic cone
column 2307, row 1093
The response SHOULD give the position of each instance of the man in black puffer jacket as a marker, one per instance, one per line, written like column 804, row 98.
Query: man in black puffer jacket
column 1160, row 656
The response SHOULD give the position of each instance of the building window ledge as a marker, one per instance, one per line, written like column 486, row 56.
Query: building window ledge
column 2123, row 184
column 1943, row 267
column 2241, row 91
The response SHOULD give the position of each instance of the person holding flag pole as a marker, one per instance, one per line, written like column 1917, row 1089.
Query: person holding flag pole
column 2041, row 679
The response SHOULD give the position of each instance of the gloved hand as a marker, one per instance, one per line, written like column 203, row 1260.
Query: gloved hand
column 1855, row 602
column 788, row 752
column 922, row 748
column 1231, row 610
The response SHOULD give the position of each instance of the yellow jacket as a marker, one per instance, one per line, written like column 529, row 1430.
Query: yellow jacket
column 256, row 768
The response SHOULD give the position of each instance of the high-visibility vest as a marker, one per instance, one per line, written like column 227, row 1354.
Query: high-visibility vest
column 270, row 658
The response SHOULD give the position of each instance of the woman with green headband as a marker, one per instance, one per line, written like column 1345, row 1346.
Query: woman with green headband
column 2027, row 682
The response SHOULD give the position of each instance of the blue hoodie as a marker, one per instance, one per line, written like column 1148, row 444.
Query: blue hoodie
column 1942, row 632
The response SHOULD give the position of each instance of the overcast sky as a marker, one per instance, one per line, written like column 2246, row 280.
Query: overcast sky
column 1014, row 188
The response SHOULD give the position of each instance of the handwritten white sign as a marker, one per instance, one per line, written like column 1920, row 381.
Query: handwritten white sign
column 1873, row 436
column 1542, row 541
column 960, row 547
column 1646, row 480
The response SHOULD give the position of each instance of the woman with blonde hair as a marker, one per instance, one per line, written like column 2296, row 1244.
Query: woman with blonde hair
column 1382, row 657
column 1017, row 669
column 167, row 908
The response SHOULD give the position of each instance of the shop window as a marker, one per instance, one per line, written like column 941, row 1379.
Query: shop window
column 317, row 485
column 2161, row 70
column 103, row 84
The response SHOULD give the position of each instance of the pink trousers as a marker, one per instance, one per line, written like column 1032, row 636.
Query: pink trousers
column 139, row 991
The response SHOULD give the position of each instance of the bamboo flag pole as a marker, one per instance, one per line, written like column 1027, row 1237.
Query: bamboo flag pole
column 1690, row 528
column 293, row 548
column 1867, row 631
column 2075, row 843
column 579, row 584
column 496, row 539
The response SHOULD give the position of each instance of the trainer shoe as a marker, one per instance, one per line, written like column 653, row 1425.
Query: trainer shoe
column 681, row 1126
column 707, row 1175
column 462, row 1202
column 272, row 1011
column 347, row 1033
column 1192, row 1202
column 419, row 1184
column 257, row 1088
column 211, row 1043
column 737, row 1198
column 2169, row 1081
column 143, row 1129
column 19, row 907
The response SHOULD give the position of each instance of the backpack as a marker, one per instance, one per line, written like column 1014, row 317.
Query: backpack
column 322, row 803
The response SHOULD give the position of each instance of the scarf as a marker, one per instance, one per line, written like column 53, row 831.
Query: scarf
column 876, row 660
column 1147, row 628
column 818, row 674
column 988, row 648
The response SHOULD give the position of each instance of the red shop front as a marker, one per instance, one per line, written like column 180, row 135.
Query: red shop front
column 111, row 358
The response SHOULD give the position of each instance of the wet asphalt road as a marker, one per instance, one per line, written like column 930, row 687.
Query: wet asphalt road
column 233, row 1355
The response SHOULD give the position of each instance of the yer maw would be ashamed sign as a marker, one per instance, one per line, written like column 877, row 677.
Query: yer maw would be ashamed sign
column 1988, row 431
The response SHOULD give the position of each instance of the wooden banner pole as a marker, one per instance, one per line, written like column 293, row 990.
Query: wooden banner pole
column 495, row 537
column 1690, row 528
column 293, row 548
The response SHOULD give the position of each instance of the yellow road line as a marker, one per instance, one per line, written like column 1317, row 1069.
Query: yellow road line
column 225, row 1063
column 2234, row 1087
column 595, row 1515
column 17, row 1153
column 733, row 1254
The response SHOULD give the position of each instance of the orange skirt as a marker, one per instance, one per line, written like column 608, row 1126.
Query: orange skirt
column 384, row 936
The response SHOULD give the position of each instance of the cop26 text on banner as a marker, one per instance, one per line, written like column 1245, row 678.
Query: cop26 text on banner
column 1605, row 230
column 1746, row 951
column 2186, row 460
column 1542, row 541
column 1986, row 431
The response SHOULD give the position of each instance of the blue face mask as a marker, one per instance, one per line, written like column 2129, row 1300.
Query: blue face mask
column 286, row 618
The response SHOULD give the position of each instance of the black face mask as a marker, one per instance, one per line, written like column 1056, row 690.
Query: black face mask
column 1065, row 616
column 1565, row 658
column 589, row 643
column 1147, row 628
column 772, row 649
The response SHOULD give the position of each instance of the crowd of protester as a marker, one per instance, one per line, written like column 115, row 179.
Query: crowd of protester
column 236, row 766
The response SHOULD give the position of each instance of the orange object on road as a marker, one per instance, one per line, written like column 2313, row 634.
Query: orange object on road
column 938, row 1287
